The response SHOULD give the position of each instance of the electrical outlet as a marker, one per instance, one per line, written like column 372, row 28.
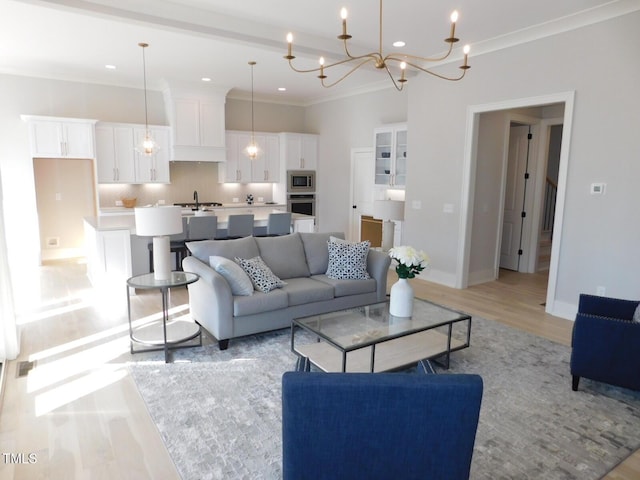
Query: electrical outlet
column 447, row 208
column 160, row 202
column 236, row 199
column 416, row 204
column 118, row 203
column 261, row 199
column 600, row 291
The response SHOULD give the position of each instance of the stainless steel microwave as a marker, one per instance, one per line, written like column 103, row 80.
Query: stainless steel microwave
column 301, row 181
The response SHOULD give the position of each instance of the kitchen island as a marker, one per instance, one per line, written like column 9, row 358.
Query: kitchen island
column 115, row 253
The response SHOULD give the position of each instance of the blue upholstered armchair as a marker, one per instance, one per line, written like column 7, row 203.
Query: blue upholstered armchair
column 605, row 342
column 345, row 426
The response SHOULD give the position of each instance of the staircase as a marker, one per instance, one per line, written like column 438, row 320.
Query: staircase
column 544, row 251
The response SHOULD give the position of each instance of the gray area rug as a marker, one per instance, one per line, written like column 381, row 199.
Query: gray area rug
column 219, row 412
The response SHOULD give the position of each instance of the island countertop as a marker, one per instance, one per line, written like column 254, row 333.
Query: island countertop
column 127, row 221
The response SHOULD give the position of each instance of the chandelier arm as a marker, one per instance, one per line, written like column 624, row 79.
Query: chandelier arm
column 402, row 57
column 346, row 74
column 443, row 77
column 393, row 80
column 367, row 57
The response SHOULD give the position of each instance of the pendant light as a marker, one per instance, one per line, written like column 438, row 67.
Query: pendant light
column 252, row 149
column 147, row 146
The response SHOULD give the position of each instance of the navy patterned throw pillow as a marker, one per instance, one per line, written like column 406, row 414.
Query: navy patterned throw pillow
column 263, row 279
column 348, row 261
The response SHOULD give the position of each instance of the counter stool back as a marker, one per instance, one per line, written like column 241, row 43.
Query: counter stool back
column 279, row 224
column 203, row 228
column 240, row 226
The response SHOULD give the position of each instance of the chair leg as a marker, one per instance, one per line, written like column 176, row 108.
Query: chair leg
column 574, row 382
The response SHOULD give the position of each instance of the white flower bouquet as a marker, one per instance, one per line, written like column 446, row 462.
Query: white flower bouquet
column 410, row 261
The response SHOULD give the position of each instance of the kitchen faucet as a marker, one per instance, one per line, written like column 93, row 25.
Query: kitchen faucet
column 195, row 198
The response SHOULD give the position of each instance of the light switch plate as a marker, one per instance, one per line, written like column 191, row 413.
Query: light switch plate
column 416, row 204
column 598, row 188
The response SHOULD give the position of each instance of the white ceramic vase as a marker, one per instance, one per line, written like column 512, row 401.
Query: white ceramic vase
column 401, row 303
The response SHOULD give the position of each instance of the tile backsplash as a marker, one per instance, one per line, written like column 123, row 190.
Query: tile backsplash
column 185, row 178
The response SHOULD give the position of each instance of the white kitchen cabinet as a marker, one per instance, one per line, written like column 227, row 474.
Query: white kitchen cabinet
column 239, row 168
column 53, row 137
column 117, row 160
column 299, row 151
column 391, row 155
column 153, row 168
column 115, row 156
column 108, row 256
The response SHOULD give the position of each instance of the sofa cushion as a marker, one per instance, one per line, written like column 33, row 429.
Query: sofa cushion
column 242, row 247
column 284, row 255
column 315, row 249
column 259, row 302
column 233, row 273
column 343, row 288
column 304, row 290
column 263, row 279
column 348, row 260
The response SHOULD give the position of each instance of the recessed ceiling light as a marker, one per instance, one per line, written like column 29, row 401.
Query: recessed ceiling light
column 110, row 67
column 399, row 44
column 206, row 79
column 282, row 89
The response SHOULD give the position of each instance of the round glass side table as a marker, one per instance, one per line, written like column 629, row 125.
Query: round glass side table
column 163, row 335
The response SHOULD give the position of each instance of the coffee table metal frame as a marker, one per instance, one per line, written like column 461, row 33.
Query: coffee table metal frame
column 394, row 342
column 147, row 281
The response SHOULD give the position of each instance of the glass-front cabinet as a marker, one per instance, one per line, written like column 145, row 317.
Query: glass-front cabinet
column 391, row 155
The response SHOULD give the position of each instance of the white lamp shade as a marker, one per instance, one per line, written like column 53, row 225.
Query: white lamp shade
column 158, row 221
column 388, row 209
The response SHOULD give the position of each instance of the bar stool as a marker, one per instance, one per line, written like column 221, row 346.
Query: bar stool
column 240, row 226
column 176, row 245
column 202, row 228
column 279, row 224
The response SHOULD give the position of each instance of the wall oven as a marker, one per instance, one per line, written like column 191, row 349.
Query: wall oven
column 301, row 181
column 304, row 203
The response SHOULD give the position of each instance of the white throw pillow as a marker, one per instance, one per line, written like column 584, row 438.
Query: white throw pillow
column 636, row 314
column 261, row 276
column 238, row 280
column 348, row 261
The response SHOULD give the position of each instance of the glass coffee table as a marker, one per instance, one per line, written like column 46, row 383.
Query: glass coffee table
column 369, row 339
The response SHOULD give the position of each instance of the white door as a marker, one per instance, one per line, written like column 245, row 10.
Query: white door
column 362, row 181
column 513, row 221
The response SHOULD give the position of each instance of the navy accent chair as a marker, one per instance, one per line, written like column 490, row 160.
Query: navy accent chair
column 605, row 342
column 345, row 426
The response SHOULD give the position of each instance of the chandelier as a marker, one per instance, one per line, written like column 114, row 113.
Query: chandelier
column 379, row 59
column 148, row 146
column 252, row 149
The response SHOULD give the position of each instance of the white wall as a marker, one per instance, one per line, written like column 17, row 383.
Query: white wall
column 600, row 233
column 344, row 124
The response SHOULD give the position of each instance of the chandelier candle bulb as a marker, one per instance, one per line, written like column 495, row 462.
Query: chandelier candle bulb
column 452, row 37
column 343, row 15
column 289, row 46
column 466, row 50
column 322, row 75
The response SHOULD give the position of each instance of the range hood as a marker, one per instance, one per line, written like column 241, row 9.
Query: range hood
column 197, row 118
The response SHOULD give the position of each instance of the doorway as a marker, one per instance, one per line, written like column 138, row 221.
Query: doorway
column 362, row 194
column 486, row 156
column 65, row 194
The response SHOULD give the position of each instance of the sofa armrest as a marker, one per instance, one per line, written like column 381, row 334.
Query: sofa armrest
column 378, row 267
column 607, row 306
column 210, row 299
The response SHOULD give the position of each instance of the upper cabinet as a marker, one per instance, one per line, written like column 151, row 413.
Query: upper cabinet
column 197, row 124
column 239, row 168
column 118, row 161
column 391, row 155
column 299, row 151
column 53, row 137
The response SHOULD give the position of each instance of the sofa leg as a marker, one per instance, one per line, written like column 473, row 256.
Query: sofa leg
column 223, row 344
column 574, row 382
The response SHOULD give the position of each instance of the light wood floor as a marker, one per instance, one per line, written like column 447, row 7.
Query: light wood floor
column 80, row 413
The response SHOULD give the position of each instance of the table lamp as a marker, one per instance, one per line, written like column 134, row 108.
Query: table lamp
column 159, row 223
column 387, row 211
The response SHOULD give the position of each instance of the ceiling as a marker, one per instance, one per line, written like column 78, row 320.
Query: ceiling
column 191, row 39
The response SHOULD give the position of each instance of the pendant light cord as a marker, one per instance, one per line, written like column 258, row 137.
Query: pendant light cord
column 144, row 76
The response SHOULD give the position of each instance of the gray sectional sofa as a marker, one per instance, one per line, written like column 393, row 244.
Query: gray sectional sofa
column 300, row 260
